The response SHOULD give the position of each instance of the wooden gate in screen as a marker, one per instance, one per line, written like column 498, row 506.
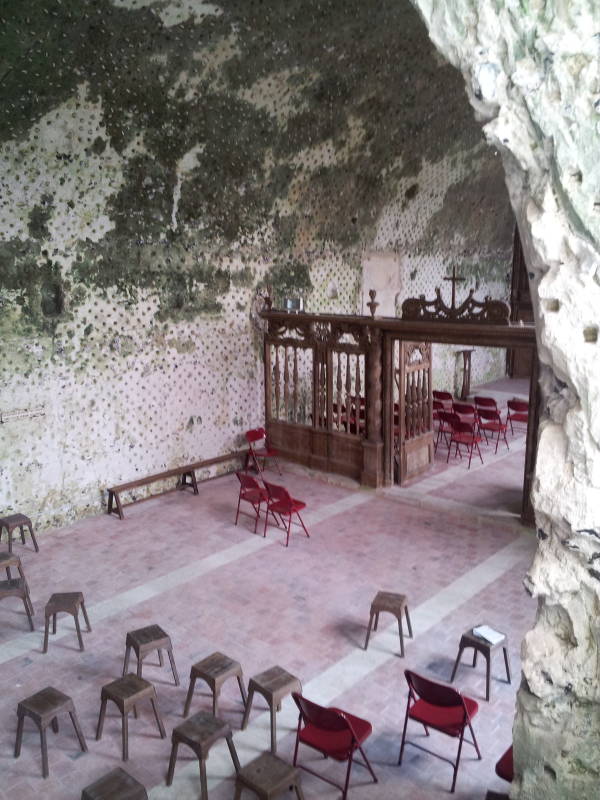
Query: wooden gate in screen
column 352, row 394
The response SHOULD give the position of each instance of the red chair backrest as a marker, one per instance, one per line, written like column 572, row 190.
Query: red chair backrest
column 463, row 427
column 464, row 408
column 441, row 395
column 327, row 719
column 438, row 405
column 278, row 493
column 437, row 694
column 489, row 414
column 449, row 417
column 247, row 481
column 255, row 435
column 485, row 402
column 520, row 406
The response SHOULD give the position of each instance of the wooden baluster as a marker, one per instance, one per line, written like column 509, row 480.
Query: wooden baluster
column 348, row 392
column 338, row 392
column 409, row 403
column 295, row 387
column 413, row 399
column 277, row 378
column 357, row 389
column 286, row 385
column 424, row 403
column 322, row 393
column 419, row 400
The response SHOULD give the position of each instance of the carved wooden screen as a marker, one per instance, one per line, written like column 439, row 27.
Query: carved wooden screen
column 412, row 409
column 315, row 393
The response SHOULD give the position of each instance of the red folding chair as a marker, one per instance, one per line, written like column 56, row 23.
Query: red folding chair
column 463, row 433
column 255, row 452
column 491, row 422
column 251, row 492
column 444, row 397
column 281, row 502
column 440, row 707
column 446, row 419
column 518, row 411
column 489, row 403
column 504, row 767
column 334, row 733
column 465, row 412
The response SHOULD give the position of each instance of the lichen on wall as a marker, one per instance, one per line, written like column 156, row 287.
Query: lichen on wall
column 161, row 162
column 533, row 74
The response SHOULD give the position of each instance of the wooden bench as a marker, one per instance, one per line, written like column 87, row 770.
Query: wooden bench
column 186, row 477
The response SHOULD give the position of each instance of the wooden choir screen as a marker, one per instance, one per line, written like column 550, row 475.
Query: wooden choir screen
column 412, row 409
column 315, row 394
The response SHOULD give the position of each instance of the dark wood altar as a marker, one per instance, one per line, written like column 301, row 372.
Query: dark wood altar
column 347, row 394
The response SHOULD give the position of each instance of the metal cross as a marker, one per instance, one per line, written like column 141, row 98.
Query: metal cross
column 455, row 279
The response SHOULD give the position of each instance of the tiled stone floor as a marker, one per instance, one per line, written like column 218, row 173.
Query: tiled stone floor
column 180, row 562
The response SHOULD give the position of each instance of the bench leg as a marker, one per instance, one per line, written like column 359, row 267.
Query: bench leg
column 173, row 667
column 190, row 694
column 172, row 761
column 456, row 663
column 101, row 719
column 506, row 663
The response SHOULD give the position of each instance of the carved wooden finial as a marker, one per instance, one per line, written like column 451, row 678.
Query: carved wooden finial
column 372, row 304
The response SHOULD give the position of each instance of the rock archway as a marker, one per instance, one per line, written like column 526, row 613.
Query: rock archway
column 532, row 74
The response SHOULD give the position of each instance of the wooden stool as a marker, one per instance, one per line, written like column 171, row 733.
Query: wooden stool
column 200, row 732
column 68, row 603
column 8, row 560
column 144, row 641
column 274, row 684
column 17, row 521
column 17, row 587
column 126, row 693
column 44, row 708
column 479, row 645
column 215, row 670
column 394, row 604
column 268, row 777
column 115, row 785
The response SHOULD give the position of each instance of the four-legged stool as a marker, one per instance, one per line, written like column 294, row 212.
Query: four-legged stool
column 268, row 777
column 274, row 684
column 394, row 604
column 69, row 603
column 215, row 670
column 17, row 587
column 17, row 521
column 126, row 693
column 479, row 645
column 115, row 785
column 200, row 732
column 144, row 641
column 8, row 560
column 44, row 708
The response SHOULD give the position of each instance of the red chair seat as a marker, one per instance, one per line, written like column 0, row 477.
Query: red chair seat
column 492, row 426
column 285, row 508
column 504, row 767
column 254, row 495
column 519, row 417
column 265, row 452
column 447, row 720
column 337, row 744
column 465, row 438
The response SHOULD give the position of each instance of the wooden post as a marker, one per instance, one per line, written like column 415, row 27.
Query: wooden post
column 527, row 512
column 373, row 472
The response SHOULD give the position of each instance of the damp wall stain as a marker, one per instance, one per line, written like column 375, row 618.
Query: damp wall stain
column 158, row 168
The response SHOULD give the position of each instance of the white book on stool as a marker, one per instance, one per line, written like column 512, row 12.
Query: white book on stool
column 489, row 634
